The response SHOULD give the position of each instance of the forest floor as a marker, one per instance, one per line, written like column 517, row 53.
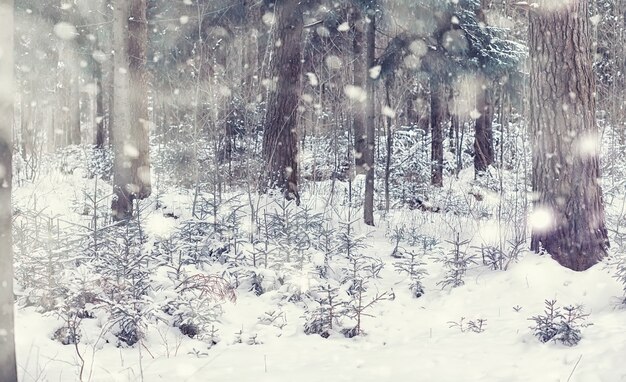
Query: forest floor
column 405, row 338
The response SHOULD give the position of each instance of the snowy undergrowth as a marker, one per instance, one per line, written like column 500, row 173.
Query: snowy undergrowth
column 219, row 306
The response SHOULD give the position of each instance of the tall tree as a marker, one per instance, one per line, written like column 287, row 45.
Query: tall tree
column 483, row 128
column 8, row 369
column 131, row 174
column 438, row 111
column 370, row 113
column 360, row 79
column 564, row 136
column 280, row 136
column 139, row 79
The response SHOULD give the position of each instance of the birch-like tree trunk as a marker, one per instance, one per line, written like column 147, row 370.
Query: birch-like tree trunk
column 569, row 215
column 131, row 172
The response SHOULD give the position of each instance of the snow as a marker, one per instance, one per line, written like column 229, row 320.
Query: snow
column 344, row 27
column 355, row 93
column 374, row 72
column 160, row 226
column 312, row 79
column 588, row 145
column 269, row 18
column 65, row 31
column 333, row 62
column 130, row 150
column 541, row 219
column 404, row 337
column 388, row 112
column 259, row 308
column 407, row 337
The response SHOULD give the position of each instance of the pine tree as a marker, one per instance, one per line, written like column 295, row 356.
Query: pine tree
column 280, row 132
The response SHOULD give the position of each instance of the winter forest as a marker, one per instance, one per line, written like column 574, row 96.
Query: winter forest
column 338, row 190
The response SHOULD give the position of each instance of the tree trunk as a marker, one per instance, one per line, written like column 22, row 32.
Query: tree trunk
column 360, row 80
column 388, row 86
column 438, row 98
column 483, row 131
column 125, row 153
column 139, row 117
column 280, row 139
column 131, row 178
column 370, row 120
column 100, row 127
column 74, row 93
column 565, row 137
column 8, row 369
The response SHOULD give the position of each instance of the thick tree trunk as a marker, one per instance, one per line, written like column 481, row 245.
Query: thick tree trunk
column 438, row 98
column 370, row 120
column 280, row 139
column 565, row 137
column 130, row 123
column 483, row 131
column 125, row 152
column 8, row 370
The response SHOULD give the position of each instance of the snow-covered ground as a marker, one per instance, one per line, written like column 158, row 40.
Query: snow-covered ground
column 406, row 338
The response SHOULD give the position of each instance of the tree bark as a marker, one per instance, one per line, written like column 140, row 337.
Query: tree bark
column 360, row 80
column 280, row 141
column 131, row 178
column 139, row 117
column 100, row 126
column 74, row 93
column 565, row 137
column 438, row 98
column 389, row 154
column 370, row 120
column 483, row 131
column 124, row 150
column 8, row 369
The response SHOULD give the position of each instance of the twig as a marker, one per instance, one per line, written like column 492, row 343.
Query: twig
column 574, row 369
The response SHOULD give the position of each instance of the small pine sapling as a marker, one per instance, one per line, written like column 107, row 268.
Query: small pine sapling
column 456, row 262
column 492, row 256
column 396, row 236
column 547, row 324
column 326, row 316
column 126, row 267
column 555, row 325
column 358, row 306
column 411, row 265
column 197, row 304
column 477, row 326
